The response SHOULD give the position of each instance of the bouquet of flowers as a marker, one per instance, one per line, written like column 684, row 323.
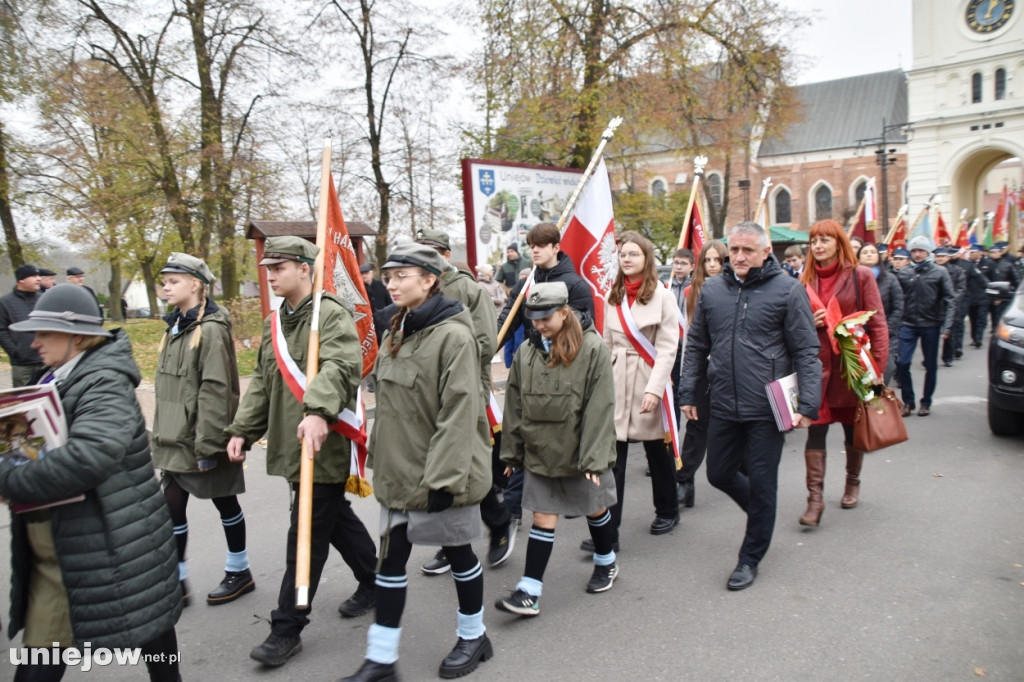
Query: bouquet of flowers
column 850, row 341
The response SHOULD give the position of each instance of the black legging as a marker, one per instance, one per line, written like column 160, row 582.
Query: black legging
column 817, row 432
column 228, row 507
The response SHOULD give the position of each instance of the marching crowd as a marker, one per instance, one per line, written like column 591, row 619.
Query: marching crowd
column 111, row 569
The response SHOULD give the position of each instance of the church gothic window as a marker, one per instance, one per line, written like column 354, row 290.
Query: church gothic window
column 1000, row 83
column 714, row 183
column 783, row 214
column 822, row 203
column 658, row 188
column 975, row 88
column 858, row 193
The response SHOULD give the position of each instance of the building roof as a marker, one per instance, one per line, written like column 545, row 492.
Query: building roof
column 836, row 114
column 259, row 229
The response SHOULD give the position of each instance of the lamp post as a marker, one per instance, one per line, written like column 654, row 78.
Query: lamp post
column 884, row 158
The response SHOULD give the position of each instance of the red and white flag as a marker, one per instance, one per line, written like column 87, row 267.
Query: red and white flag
column 342, row 278
column 590, row 240
column 867, row 219
column 694, row 231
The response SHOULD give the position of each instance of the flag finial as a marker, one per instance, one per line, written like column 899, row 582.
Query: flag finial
column 698, row 164
column 609, row 132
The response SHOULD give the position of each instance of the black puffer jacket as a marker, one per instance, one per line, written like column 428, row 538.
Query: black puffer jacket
column 1000, row 270
column 115, row 548
column 928, row 296
column 580, row 296
column 754, row 332
column 892, row 301
column 15, row 307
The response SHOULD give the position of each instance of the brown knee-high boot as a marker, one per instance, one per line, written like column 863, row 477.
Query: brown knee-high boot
column 854, row 460
column 815, row 460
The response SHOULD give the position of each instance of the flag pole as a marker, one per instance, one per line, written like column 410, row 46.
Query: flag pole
column 920, row 216
column 856, row 216
column 896, row 223
column 570, row 206
column 698, row 171
column 305, row 520
column 762, row 207
column 960, row 225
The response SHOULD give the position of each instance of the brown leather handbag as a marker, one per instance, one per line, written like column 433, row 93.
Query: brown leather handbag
column 878, row 423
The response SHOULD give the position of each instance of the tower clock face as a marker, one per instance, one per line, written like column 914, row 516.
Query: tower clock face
column 986, row 16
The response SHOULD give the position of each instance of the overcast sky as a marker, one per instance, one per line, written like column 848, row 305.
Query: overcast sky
column 849, row 38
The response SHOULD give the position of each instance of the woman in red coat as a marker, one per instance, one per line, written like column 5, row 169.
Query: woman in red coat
column 834, row 273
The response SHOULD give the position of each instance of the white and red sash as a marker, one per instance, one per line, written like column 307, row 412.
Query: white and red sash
column 351, row 425
column 494, row 415
column 648, row 352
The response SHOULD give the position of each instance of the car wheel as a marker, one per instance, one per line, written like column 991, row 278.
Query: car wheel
column 1003, row 422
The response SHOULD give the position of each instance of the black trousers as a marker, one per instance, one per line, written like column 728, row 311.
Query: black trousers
column 977, row 312
column 996, row 310
column 757, row 446
column 695, row 438
column 333, row 523
column 663, row 479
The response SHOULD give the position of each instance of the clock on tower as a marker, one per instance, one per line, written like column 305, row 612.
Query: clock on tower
column 986, row 16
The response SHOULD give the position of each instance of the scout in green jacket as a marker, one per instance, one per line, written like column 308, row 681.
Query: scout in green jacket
column 196, row 394
column 559, row 427
column 429, row 455
column 103, row 570
column 271, row 407
column 461, row 286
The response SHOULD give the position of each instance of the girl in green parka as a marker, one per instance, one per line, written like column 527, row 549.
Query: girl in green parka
column 559, row 426
column 430, row 457
column 196, row 394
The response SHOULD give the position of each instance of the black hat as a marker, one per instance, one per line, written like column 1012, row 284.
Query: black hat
column 513, row 247
column 366, row 267
column 46, row 272
column 942, row 251
column 25, row 271
column 72, row 271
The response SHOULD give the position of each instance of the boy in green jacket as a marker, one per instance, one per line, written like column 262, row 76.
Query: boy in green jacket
column 280, row 403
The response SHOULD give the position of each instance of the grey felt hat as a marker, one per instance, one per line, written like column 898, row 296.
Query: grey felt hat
column 544, row 299
column 66, row 308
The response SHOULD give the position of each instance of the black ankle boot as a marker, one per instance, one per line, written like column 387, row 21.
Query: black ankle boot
column 371, row 671
column 466, row 656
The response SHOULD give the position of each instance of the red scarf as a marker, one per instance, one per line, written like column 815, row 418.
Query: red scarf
column 632, row 289
column 827, row 278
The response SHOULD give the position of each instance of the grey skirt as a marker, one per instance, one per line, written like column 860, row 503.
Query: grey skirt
column 224, row 480
column 575, row 496
column 452, row 527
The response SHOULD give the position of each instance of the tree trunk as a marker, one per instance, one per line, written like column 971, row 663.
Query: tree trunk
column 149, row 277
column 14, row 250
column 114, row 289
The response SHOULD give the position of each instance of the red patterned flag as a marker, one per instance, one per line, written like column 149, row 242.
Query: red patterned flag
column 342, row 278
column 942, row 235
column 694, row 239
column 899, row 234
column 590, row 240
column 999, row 222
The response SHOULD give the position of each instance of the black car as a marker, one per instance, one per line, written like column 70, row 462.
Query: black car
column 1006, row 363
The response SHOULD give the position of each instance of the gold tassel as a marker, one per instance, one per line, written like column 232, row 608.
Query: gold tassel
column 359, row 486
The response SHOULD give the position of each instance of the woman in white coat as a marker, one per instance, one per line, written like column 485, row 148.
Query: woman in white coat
column 641, row 331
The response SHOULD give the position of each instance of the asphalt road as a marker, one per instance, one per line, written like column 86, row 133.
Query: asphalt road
column 923, row 581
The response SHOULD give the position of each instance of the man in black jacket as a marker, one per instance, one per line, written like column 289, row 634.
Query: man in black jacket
column 977, row 300
column 551, row 266
column 958, row 278
column 753, row 325
column 998, row 268
column 929, row 303
column 15, row 307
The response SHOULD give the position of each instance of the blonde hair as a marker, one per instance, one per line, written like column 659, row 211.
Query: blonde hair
column 84, row 343
column 197, row 333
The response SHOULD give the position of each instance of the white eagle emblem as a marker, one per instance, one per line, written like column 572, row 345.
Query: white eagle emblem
column 607, row 263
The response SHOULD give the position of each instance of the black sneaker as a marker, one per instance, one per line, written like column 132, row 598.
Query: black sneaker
column 361, row 601
column 234, row 585
column 438, row 565
column 276, row 650
column 602, row 579
column 520, row 603
column 502, row 544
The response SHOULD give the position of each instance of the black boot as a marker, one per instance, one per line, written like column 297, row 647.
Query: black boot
column 371, row 671
column 276, row 649
column 466, row 656
column 234, row 585
column 361, row 601
column 684, row 494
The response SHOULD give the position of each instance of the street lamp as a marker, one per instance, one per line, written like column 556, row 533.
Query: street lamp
column 884, row 158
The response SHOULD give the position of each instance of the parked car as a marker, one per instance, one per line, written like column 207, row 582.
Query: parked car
column 664, row 273
column 1006, row 363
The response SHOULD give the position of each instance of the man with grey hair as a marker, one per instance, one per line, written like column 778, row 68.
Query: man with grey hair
column 752, row 325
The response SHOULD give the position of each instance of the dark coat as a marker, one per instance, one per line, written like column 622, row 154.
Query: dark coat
column 115, row 548
column 892, row 301
column 836, row 392
column 928, row 296
column 580, row 296
column 15, row 307
column 378, row 295
column 745, row 335
column 958, row 278
column 977, row 282
column 1000, row 270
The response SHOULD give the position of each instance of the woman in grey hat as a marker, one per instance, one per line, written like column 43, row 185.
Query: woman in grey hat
column 560, row 426
column 196, row 394
column 100, row 571
column 430, row 455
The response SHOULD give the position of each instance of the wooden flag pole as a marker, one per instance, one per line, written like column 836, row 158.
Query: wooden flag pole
column 856, row 216
column 305, row 528
column 896, row 223
column 960, row 226
column 563, row 219
column 920, row 216
column 762, row 207
column 698, row 171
